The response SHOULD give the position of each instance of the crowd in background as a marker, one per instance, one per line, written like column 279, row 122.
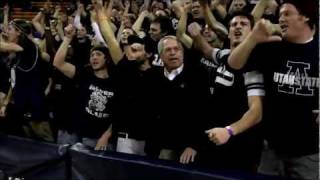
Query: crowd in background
column 221, row 84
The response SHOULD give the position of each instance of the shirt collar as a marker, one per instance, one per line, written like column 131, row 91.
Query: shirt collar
column 174, row 73
column 309, row 40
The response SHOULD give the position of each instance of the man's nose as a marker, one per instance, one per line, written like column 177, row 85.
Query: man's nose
column 281, row 19
column 172, row 52
column 238, row 26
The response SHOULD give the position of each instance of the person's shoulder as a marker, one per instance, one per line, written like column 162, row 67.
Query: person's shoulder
column 83, row 72
column 123, row 62
column 270, row 45
column 155, row 70
column 270, row 48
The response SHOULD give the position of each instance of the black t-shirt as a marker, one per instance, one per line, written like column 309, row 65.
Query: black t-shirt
column 31, row 71
column 227, row 103
column 131, row 109
column 61, row 98
column 291, row 73
column 4, row 77
column 31, row 80
column 230, row 101
column 195, row 59
column 81, row 49
column 151, row 47
column 94, row 103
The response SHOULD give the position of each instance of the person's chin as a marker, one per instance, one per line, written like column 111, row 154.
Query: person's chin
column 175, row 65
column 95, row 67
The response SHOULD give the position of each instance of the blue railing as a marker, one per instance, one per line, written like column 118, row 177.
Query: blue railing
column 31, row 160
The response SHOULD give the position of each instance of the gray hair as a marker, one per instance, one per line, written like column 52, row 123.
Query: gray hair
column 161, row 43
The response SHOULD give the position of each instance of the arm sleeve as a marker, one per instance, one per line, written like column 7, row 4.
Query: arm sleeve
column 77, row 21
column 218, row 56
column 254, row 83
column 97, row 33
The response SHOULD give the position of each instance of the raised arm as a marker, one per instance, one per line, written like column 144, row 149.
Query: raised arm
column 43, row 50
column 9, row 47
column 57, row 11
column 262, row 32
column 59, row 28
column 108, row 8
column 199, row 42
column 217, row 27
column 182, row 25
column 125, row 13
column 108, row 34
column 77, row 18
column 138, row 24
column 37, row 22
column 220, row 7
column 59, row 60
column 6, row 18
column 95, row 27
column 259, row 9
column 176, row 8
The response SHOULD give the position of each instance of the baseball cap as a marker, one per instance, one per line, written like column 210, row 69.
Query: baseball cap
column 135, row 39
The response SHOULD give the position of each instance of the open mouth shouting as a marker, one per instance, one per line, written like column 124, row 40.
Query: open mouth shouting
column 284, row 28
column 237, row 34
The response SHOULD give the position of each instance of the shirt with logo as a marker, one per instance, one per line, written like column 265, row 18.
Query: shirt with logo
column 291, row 73
column 94, row 103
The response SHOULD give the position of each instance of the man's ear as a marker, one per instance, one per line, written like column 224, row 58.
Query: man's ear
column 149, row 55
column 306, row 19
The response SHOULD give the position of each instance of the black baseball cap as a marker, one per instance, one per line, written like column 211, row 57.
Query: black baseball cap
column 102, row 49
column 135, row 39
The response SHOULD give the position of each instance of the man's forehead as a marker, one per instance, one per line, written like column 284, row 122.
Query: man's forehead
column 239, row 18
column 170, row 43
column 239, row 1
column 96, row 51
column 155, row 24
column 127, row 30
column 287, row 7
column 195, row 3
column 136, row 45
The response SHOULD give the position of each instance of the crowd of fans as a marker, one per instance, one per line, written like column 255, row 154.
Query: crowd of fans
column 222, row 84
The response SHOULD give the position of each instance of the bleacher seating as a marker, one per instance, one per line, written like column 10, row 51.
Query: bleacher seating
column 29, row 13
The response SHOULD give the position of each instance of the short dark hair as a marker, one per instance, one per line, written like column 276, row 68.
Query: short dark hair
column 102, row 49
column 25, row 27
column 243, row 14
column 165, row 24
column 109, row 62
column 22, row 25
column 307, row 8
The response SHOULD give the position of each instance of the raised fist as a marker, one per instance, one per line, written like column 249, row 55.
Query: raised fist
column 6, row 9
column 69, row 31
column 127, row 3
column 194, row 29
